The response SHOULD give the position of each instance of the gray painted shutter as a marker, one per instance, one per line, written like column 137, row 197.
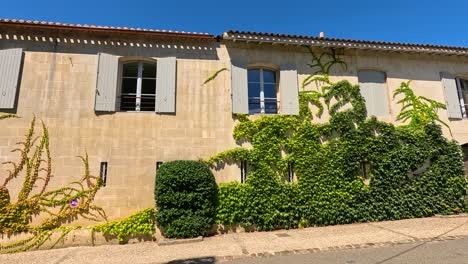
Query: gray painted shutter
column 451, row 95
column 10, row 65
column 239, row 88
column 373, row 88
column 289, row 90
column 166, row 85
column 106, row 87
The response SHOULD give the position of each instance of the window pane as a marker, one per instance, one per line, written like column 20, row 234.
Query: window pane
column 271, row 106
column 149, row 70
column 269, row 90
column 147, row 103
column 148, row 86
column 464, row 85
column 129, row 85
column 128, row 102
column 269, row 76
column 130, row 69
column 254, row 75
column 369, row 76
column 254, row 106
column 254, row 90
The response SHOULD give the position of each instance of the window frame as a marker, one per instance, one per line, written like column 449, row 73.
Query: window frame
column 138, row 95
column 261, row 96
column 461, row 101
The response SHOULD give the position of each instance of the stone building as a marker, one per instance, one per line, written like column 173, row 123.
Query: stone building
column 132, row 98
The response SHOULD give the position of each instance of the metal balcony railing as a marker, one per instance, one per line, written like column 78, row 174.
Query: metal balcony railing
column 131, row 102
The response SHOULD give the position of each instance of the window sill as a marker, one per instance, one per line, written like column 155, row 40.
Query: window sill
column 136, row 112
column 265, row 114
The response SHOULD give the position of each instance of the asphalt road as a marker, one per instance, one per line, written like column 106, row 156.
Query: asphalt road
column 441, row 252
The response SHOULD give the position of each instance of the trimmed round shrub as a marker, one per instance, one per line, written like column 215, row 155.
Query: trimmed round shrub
column 186, row 199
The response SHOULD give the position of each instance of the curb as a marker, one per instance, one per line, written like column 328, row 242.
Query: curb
column 336, row 248
column 451, row 216
column 167, row 242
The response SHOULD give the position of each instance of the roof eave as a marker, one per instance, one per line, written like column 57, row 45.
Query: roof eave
column 336, row 43
column 107, row 30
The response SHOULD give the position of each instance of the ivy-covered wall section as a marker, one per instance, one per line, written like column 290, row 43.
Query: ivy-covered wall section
column 351, row 169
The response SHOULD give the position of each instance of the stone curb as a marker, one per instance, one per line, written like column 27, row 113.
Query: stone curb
column 342, row 247
column 451, row 216
column 166, row 242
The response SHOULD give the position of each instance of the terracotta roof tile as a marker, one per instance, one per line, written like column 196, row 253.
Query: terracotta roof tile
column 351, row 43
column 94, row 27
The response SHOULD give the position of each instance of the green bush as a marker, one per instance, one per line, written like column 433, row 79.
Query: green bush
column 186, row 199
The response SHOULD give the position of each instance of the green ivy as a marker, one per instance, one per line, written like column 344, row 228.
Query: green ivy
column 140, row 223
column 328, row 160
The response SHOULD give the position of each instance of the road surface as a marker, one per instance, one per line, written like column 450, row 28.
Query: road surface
column 450, row 252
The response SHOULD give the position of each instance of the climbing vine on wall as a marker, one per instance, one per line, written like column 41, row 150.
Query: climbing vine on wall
column 5, row 116
column 140, row 223
column 214, row 75
column 34, row 198
column 353, row 168
column 419, row 110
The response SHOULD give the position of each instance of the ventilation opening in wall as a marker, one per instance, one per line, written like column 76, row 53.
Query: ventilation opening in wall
column 365, row 169
column 465, row 158
column 158, row 164
column 103, row 172
column 243, row 167
column 290, row 172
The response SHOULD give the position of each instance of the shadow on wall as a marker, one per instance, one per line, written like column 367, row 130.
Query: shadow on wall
column 193, row 260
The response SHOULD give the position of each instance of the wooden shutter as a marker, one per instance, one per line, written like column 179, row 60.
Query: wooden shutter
column 106, row 87
column 289, row 90
column 451, row 95
column 10, row 65
column 166, row 85
column 373, row 88
column 239, row 88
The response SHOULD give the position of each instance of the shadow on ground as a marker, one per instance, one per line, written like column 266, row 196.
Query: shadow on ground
column 203, row 260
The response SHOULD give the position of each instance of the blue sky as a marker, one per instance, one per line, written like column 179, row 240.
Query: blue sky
column 432, row 22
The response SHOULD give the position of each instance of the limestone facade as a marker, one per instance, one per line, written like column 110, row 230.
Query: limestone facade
column 58, row 84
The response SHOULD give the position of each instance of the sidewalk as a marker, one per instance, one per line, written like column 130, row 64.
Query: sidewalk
column 240, row 245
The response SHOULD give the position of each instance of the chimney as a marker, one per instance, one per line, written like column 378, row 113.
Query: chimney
column 322, row 34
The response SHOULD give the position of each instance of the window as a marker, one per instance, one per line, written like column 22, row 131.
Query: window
column 462, row 87
column 262, row 86
column 373, row 88
column 138, row 86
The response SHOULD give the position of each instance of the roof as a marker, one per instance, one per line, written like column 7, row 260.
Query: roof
column 273, row 38
column 108, row 29
column 248, row 36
